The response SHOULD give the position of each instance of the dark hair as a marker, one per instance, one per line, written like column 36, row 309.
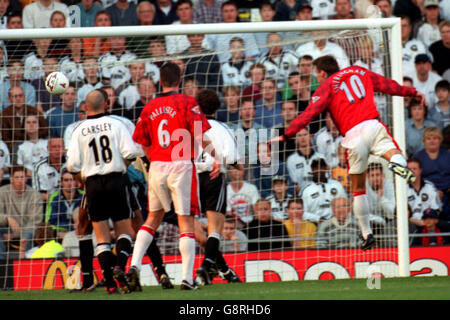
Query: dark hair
column 307, row 57
column 266, row 3
column 416, row 160
column 180, row 2
column 416, row 102
column 44, row 233
column 374, row 166
column 326, row 63
column 294, row 200
column 376, row 1
column 208, row 101
column 442, row 84
column 406, row 78
column 229, row 3
column 102, row 12
column 16, row 168
column 170, row 75
column 57, row 12
column 294, row 74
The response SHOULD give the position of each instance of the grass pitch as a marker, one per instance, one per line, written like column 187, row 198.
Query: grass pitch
column 413, row 288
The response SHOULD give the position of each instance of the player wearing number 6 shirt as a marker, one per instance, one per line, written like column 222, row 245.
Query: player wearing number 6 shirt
column 349, row 97
column 167, row 129
column 99, row 151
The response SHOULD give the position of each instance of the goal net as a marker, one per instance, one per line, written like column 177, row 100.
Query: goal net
column 289, row 214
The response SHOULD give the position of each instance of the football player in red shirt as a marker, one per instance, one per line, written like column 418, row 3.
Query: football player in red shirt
column 167, row 129
column 348, row 95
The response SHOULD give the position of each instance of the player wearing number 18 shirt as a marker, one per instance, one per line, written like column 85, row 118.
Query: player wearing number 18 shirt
column 348, row 95
column 166, row 129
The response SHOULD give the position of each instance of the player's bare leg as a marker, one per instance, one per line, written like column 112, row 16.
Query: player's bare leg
column 397, row 164
column 187, row 250
column 361, row 208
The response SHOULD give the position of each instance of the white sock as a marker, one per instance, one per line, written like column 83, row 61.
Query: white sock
column 361, row 208
column 399, row 159
column 187, row 250
column 143, row 239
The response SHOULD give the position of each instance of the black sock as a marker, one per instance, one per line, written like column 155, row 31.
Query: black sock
column 221, row 263
column 86, row 257
column 211, row 250
column 156, row 258
column 123, row 251
column 106, row 259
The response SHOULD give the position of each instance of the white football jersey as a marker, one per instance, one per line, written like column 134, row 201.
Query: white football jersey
column 317, row 199
column 99, row 146
column 383, row 206
column 152, row 71
column 5, row 160
column 115, row 68
column 427, row 197
column 236, row 75
column 280, row 67
column 328, row 146
column 33, row 67
column 224, row 142
column 129, row 96
column 73, row 71
column 279, row 207
column 45, row 177
column 29, row 153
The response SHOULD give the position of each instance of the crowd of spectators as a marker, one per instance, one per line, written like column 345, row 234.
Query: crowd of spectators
column 264, row 80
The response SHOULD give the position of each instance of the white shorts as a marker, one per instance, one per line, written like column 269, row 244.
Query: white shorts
column 175, row 182
column 368, row 137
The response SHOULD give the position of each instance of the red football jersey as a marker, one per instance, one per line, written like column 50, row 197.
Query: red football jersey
column 168, row 125
column 349, row 97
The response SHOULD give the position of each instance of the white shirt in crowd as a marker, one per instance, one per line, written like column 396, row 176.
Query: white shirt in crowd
column 280, row 67
column 328, row 146
column 35, row 15
column 116, row 68
column 427, row 87
column 299, row 168
column 240, row 203
column 428, row 34
column 410, row 50
column 383, row 206
column 323, row 9
column 427, row 197
column 29, row 153
column 330, row 48
column 236, row 75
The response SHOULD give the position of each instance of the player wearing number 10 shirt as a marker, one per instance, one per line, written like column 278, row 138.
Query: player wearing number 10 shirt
column 348, row 95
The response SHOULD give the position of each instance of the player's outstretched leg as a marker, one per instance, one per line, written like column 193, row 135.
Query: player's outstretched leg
column 158, row 264
column 397, row 164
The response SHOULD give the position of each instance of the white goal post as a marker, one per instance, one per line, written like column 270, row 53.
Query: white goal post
column 392, row 25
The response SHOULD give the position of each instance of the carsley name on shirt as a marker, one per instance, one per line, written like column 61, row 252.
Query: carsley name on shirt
column 98, row 128
column 162, row 110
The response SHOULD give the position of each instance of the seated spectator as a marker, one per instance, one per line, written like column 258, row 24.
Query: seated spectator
column 411, row 8
column 45, row 100
column 156, row 49
column 88, row 10
column 34, row 59
column 166, row 12
column 235, row 70
column 58, row 118
column 288, row 113
column 208, row 11
column 303, row 12
column 341, row 231
column 385, row 7
column 82, row 115
column 91, row 78
column 268, row 108
column 343, row 9
column 422, row 194
column 37, row 14
column 190, row 86
column 323, row 9
column 299, row 162
column 229, row 112
column 317, row 196
column 58, row 47
column 17, row 49
column 327, row 141
column 5, row 163
column 98, row 46
column 440, row 112
column 145, row 15
column 411, row 47
column 202, row 64
column 271, row 233
column 321, row 47
column 232, row 233
column 128, row 91
column 425, row 79
column 381, row 196
column 305, row 67
column 428, row 31
column 432, row 224
column 47, row 172
column 267, row 12
column 112, row 64
column 435, row 160
column 296, row 227
column 147, row 91
column 340, row 172
column 7, row 8
column 123, row 13
column 61, row 203
column 286, row 10
column 21, row 209
column 12, row 126
column 279, row 197
column 299, row 88
column 279, row 62
column 219, row 42
column 47, row 247
column 256, row 73
column 440, row 49
column 407, row 82
column 34, row 148
column 72, row 64
column 241, row 196
column 15, row 79
column 415, row 125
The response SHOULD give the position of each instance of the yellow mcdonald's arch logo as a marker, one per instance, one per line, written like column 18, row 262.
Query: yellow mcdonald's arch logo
column 52, row 274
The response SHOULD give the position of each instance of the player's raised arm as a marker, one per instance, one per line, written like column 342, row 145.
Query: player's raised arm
column 393, row 88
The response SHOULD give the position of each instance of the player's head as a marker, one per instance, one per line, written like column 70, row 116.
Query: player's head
column 170, row 75
column 208, row 101
column 95, row 102
column 324, row 67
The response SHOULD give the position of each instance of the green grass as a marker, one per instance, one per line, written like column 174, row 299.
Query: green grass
column 418, row 288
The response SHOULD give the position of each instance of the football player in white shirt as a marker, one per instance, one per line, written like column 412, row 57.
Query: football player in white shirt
column 422, row 194
column 213, row 190
column 99, row 151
